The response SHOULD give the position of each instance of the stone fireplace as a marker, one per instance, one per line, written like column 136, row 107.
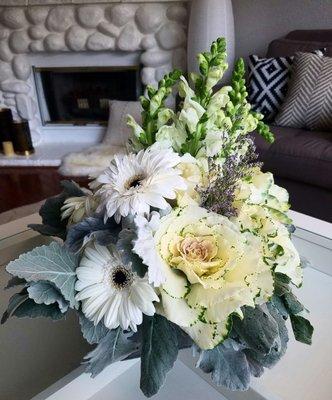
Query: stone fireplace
column 149, row 35
column 37, row 35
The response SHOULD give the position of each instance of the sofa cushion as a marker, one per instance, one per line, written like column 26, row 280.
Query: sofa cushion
column 300, row 155
column 288, row 47
column 268, row 82
column 308, row 103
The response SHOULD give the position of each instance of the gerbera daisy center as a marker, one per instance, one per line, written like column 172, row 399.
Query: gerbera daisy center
column 134, row 181
column 121, row 277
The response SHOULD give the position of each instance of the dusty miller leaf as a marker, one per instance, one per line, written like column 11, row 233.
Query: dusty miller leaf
column 159, row 351
column 16, row 300
column 279, row 347
column 50, row 211
column 125, row 246
column 92, row 228
column 15, row 281
column 93, row 334
column 31, row 309
column 258, row 330
column 46, row 293
column 53, row 263
column 228, row 367
column 115, row 346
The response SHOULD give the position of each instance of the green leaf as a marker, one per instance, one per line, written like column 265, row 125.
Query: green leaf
column 302, row 328
column 158, row 354
column 93, row 334
column 32, row 310
column 16, row 300
column 53, row 263
column 258, row 330
column 292, row 304
column 115, row 346
column 46, row 293
column 53, row 225
column 228, row 367
column 125, row 246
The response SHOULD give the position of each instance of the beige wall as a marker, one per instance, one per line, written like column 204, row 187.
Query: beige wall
column 258, row 22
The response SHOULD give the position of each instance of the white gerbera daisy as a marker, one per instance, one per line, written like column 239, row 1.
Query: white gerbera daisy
column 111, row 290
column 133, row 183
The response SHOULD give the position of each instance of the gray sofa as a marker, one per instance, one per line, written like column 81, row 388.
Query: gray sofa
column 301, row 160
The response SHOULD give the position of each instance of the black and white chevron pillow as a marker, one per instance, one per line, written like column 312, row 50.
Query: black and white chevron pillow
column 309, row 100
column 268, row 82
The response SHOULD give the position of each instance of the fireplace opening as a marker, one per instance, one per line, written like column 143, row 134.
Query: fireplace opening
column 80, row 95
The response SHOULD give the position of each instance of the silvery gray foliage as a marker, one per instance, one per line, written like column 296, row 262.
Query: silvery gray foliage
column 227, row 364
column 94, row 227
column 125, row 246
column 93, row 334
column 258, row 330
column 31, row 309
column 15, row 281
column 52, row 263
column 159, row 350
column 46, row 293
column 249, row 350
column 53, row 224
column 113, row 347
column 16, row 300
column 278, row 349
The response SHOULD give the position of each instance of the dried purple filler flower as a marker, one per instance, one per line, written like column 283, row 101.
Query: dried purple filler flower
column 219, row 195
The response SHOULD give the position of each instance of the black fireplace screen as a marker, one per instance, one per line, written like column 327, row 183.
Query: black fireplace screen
column 81, row 95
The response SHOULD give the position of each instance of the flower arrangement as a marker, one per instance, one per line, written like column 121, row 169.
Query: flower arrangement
column 182, row 242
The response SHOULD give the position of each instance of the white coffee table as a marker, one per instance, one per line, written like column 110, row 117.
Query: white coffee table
column 304, row 373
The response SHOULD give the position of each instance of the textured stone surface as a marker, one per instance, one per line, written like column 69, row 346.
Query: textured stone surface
column 37, row 32
column 148, row 42
column 76, row 38
column 60, row 18
column 109, row 29
column 4, row 33
column 37, row 15
column 177, row 13
column 89, row 16
column 23, row 106
column 5, row 71
column 19, row 41
column 157, row 29
column 97, row 41
column 120, row 14
column 15, row 86
column 54, row 42
column 171, row 35
column 36, row 47
column 147, row 75
column 155, row 58
column 5, row 53
column 149, row 17
column 129, row 39
column 21, row 67
column 10, row 102
column 13, row 18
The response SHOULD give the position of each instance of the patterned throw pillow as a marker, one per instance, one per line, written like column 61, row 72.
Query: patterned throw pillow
column 309, row 99
column 268, row 83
